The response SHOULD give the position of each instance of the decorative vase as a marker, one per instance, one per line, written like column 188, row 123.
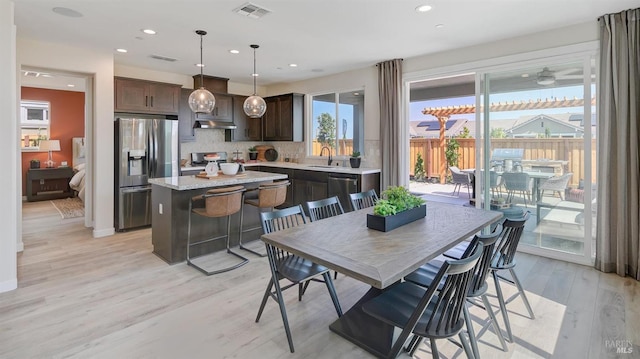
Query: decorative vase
column 253, row 156
column 355, row 162
column 387, row 223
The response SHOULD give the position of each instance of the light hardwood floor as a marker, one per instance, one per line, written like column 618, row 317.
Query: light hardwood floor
column 111, row 298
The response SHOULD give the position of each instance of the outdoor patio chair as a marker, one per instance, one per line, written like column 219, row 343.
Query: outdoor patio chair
column 460, row 178
column 518, row 182
column 285, row 265
column 433, row 312
column 556, row 184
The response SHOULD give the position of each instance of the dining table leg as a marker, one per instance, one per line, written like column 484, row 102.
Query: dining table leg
column 365, row 331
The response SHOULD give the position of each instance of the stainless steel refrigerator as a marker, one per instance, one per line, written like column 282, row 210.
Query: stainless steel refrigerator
column 146, row 147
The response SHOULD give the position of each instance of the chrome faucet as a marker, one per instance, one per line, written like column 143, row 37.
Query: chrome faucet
column 328, row 150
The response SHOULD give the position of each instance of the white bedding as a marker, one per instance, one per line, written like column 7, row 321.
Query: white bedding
column 77, row 181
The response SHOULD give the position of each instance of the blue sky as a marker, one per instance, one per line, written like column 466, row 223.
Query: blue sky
column 346, row 112
column 557, row 92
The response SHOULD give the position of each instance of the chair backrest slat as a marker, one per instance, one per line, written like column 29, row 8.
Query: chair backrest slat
column 363, row 199
column 453, row 293
column 324, row 208
column 508, row 240
column 278, row 220
column 478, row 283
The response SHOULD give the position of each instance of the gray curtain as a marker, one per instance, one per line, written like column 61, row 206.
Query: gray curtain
column 618, row 235
column 389, row 90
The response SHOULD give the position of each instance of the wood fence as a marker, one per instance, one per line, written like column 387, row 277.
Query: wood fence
column 564, row 149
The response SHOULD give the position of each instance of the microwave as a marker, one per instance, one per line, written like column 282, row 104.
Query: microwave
column 34, row 113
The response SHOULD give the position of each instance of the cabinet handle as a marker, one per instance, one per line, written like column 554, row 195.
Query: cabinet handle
column 146, row 101
column 151, row 101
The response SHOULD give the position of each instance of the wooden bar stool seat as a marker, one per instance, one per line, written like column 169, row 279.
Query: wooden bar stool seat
column 218, row 202
column 270, row 195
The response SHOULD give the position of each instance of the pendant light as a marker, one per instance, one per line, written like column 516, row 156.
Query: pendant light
column 201, row 100
column 254, row 106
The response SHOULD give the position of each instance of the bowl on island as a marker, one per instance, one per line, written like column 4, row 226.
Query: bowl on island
column 229, row 169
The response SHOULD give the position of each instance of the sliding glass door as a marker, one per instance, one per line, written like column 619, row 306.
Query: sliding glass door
column 537, row 140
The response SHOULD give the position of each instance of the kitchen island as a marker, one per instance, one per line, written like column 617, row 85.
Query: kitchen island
column 170, row 198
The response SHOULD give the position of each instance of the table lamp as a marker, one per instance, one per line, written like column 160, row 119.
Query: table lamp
column 49, row 145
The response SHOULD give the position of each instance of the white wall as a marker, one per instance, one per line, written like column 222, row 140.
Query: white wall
column 9, row 146
column 99, row 64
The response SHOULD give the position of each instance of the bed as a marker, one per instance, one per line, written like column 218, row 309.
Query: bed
column 78, row 179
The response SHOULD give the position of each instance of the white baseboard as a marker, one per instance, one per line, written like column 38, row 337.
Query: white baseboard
column 8, row 285
column 98, row 233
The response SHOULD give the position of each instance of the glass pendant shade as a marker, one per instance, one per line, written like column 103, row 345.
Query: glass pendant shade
column 202, row 101
column 254, row 106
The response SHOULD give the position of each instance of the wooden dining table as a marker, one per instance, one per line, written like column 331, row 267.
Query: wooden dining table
column 344, row 243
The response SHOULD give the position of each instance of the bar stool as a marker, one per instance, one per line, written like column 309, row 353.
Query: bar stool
column 270, row 195
column 219, row 202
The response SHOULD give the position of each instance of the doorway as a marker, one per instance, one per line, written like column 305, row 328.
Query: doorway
column 71, row 128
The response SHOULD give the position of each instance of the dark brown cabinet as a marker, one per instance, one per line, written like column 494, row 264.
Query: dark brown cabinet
column 248, row 129
column 222, row 111
column 186, row 118
column 139, row 96
column 48, row 183
column 284, row 119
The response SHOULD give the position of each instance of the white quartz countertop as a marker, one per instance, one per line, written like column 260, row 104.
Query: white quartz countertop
column 312, row 167
column 184, row 183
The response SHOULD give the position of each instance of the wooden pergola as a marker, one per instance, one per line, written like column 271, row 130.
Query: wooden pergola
column 443, row 114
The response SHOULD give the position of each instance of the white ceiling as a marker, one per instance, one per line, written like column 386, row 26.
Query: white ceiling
column 321, row 36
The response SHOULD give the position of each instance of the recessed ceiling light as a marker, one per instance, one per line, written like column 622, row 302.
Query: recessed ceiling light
column 122, row 50
column 148, row 31
column 46, row 75
column 234, row 51
column 439, row 26
column 293, row 65
column 66, row 12
column 525, row 75
column 423, row 8
column 255, row 75
column 356, row 93
column 199, row 65
column 71, row 85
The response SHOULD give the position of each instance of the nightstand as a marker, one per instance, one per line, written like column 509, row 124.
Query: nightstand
column 48, row 183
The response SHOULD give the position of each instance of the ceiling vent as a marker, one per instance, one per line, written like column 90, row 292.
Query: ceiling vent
column 251, row 10
column 163, row 58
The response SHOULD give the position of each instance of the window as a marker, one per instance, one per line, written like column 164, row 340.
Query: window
column 34, row 123
column 337, row 122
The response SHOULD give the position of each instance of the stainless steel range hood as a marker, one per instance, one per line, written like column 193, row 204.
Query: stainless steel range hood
column 225, row 125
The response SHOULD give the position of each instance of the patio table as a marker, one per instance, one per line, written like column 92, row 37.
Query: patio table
column 345, row 244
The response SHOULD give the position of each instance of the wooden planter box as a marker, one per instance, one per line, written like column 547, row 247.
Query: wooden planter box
column 385, row 224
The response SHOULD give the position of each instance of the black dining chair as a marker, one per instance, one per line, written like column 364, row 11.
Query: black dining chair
column 324, row 208
column 424, row 276
column 362, row 200
column 428, row 312
column 504, row 259
column 285, row 265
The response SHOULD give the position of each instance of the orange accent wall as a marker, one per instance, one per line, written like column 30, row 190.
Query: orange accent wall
column 66, row 121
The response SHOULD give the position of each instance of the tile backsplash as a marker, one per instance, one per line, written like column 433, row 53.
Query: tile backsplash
column 213, row 140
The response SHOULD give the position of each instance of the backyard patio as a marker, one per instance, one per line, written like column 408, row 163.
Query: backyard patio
column 554, row 223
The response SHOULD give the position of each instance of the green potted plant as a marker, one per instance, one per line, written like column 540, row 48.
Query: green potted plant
column 253, row 153
column 395, row 208
column 355, row 159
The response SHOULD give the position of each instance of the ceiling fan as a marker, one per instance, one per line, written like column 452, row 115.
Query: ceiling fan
column 547, row 77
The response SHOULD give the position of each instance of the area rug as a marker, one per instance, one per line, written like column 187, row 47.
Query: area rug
column 69, row 207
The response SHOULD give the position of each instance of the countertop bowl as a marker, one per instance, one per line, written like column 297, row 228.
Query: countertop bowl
column 229, row 169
